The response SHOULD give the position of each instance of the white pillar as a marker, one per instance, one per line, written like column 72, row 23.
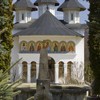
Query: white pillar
column 37, row 70
column 28, row 73
column 65, row 71
column 56, row 73
column 20, row 70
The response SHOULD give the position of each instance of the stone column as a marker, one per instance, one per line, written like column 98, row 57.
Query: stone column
column 20, row 70
column 29, row 73
column 37, row 70
column 56, row 73
column 69, row 71
column 65, row 71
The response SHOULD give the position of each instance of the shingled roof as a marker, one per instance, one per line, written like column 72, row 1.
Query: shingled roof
column 47, row 24
column 24, row 4
column 55, row 2
column 71, row 4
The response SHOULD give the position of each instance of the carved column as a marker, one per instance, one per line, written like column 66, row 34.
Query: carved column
column 65, row 71
column 56, row 73
column 37, row 70
column 29, row 73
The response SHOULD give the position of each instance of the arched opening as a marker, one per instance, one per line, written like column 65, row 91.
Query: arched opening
column 24, row 77
column 33, row 71
column 69, row 69
column 61, row 72
column 51, row 69
column 61, row 69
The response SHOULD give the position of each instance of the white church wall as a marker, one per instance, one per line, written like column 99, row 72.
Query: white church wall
column 15, row 50
column 76, row 57
column 14, row 59
column 71, row 16
column 79, row 53
column 23, row 16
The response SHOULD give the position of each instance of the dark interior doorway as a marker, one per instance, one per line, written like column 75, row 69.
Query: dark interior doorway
column 51, row 66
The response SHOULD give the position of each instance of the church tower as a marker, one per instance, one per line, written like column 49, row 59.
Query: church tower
column 71, row 10
column 43, row 5
column 23, row 9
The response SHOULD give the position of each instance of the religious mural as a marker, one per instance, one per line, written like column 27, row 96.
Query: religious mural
column 39, row 46
column 71, row 46
column 55, row 46
column 63, row 46
column 51, row 46
column 47, row 45
column 31, row 46
column 23, row 46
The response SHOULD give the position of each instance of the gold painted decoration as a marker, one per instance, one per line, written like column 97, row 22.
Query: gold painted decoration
column 71, row 46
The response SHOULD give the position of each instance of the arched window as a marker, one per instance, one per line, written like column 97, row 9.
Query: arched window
column 33, row 71
column 24, row 77
column 23, row 16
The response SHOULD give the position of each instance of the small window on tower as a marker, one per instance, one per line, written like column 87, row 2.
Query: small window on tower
column 23, row 17
column 72, row 16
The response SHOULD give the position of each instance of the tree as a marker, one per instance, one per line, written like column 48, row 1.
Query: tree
column 94, row 43
column 7, row 91
column 6, row 21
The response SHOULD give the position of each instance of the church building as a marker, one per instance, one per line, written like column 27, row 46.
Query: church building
column 63, row 39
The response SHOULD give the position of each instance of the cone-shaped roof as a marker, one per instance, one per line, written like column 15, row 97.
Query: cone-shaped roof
column 71, row 4
column 47, row 24
column 55, row 2
column 24, row 4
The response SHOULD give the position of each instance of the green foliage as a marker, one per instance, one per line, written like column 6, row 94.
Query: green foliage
column 6, row 89
column 6, row 21
column 88, row 74
column 94, row 43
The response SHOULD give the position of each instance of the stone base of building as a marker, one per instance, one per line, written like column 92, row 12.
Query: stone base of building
column 59, row 92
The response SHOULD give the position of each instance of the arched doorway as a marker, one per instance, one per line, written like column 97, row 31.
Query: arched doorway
column 33, row 71
column 51, row 69
column 24, row 75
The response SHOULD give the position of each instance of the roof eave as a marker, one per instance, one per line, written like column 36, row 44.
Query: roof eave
column 37, row 3
column 61, row 9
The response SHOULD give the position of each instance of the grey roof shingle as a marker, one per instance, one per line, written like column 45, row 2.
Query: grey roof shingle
column 76, row 26
column 24, row 4
column 37, row 2
column 71, row 4
column 48, row 24
column 23, row 25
